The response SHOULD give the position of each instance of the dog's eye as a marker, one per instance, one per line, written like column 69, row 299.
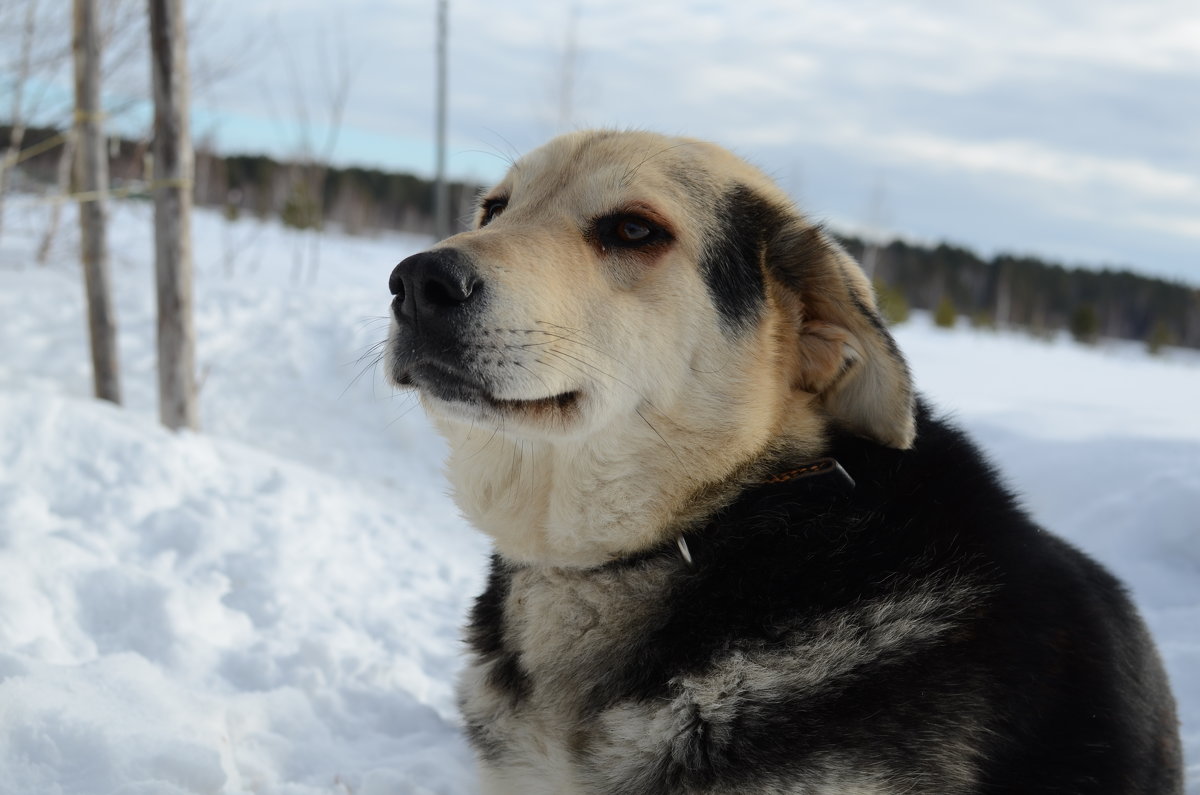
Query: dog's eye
column 492, row 210
column 632, row 231
column 628, row 231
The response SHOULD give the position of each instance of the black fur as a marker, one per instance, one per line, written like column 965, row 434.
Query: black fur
column 732, row 262
column 1045, row 680
column 486, row 632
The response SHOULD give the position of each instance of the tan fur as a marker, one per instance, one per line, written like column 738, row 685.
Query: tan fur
column 670, row 408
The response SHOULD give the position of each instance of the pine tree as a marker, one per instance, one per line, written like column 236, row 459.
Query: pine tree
column 1160, row 337
column 1085, row 325
column 945, row 315
column 892, row 303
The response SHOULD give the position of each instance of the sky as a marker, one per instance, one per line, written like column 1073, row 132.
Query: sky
column 1067, row 129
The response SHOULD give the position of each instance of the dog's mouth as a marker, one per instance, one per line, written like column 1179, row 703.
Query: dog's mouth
column 464, row 394
column 561, row 403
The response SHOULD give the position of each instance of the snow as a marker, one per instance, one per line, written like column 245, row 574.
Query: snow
column 272, row 605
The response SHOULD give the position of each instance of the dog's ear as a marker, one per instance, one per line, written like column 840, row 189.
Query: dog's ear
column 843, row 352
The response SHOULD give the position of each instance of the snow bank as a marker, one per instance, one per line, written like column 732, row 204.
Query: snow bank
column 272, row 605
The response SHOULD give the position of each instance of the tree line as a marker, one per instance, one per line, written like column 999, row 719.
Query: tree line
column 305, row 195
column 952, row 281
column 1027, row 292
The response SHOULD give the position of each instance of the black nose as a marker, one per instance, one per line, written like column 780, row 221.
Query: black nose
column 433, row 283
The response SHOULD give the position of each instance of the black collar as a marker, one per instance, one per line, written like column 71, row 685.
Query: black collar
column 823, row 477
column 822, row 466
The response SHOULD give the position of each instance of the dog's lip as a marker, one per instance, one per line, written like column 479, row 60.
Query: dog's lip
column 561, row 402
column 452, row 386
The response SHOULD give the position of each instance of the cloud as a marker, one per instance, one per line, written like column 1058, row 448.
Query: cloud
column 1030, row 160
column 1181, row 226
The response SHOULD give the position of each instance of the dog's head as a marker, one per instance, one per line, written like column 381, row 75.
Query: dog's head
column 624, row 283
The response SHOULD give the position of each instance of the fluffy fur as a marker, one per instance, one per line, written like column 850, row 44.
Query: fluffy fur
column 638, row 336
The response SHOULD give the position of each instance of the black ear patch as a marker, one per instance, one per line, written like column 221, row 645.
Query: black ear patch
column 732, row 262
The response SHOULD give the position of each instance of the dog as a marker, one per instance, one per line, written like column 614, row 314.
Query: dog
column 734, row 551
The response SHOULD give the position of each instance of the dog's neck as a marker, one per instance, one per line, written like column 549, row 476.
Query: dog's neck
column 620, row 492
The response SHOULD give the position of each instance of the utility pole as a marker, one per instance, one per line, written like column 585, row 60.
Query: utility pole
column 441, row 191
column 93, row 202
column 877, row 222
column 173, row 166
column 566, row 86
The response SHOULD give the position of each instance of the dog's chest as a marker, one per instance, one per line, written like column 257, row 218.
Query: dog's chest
column 565, row 624
column 589, row 683
column 562, row 632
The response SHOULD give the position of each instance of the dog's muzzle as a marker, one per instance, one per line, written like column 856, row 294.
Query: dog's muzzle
column 435, row 295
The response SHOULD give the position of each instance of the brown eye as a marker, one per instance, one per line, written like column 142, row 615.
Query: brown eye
column 632, row 231
column 627, row 231
column 492, row 210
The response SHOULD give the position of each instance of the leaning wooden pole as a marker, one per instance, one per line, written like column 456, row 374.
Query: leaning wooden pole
column 93, row 207
column 173, row 165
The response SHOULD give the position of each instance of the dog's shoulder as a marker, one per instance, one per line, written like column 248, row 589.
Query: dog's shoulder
column 1057, row 633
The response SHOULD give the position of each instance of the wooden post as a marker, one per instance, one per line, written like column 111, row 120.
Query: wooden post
column 173, row 166
column 66, row 167
column 93, row 209
column 16, row 115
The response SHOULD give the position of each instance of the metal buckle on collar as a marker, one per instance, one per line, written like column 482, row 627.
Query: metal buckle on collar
column 822, row 466
column 683, row 550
